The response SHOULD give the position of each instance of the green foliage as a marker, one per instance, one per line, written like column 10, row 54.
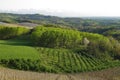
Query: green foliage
column 115, row 48
column 56, row 37
column 114, row 33
column 59, row 61
column 41, row 33
column 49, row 59
column 105, row 49
column 97, row 45
column 10, row 32
column 88, row 51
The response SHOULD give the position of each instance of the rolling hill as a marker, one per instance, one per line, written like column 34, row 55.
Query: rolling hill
column 56, row 50
column 74, row 22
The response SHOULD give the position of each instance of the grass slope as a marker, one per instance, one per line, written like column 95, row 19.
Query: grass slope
column 15, row 49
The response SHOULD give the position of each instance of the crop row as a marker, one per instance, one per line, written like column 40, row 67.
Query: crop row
column 68, row 61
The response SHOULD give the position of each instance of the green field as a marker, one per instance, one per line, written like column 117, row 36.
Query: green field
column 13, row 49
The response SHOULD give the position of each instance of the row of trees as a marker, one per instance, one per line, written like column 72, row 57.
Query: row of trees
column 68, row 38
column 56, row 37
column 10, row 32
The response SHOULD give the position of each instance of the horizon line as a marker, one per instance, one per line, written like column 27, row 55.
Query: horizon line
column 60, row 16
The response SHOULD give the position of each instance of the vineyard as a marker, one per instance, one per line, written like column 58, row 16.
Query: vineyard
column 63, row 60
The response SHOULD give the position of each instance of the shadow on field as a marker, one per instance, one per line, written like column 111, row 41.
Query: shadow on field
column 18, row 41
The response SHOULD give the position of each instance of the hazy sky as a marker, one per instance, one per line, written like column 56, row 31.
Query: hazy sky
column 67, row 8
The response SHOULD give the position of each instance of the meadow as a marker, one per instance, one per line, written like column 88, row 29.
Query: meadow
column 17, row 49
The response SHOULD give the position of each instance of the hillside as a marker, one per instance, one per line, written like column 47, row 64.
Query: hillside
column 108, row 26
column 56, row 50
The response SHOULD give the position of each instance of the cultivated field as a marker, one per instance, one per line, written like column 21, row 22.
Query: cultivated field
column 10, row 74
column 63, row 60
column 50, row 60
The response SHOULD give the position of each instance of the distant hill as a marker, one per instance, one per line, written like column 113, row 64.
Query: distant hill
column 101, row 25
column 70, row 21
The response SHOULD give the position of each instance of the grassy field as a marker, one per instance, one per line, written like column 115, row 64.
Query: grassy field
column 16, row 49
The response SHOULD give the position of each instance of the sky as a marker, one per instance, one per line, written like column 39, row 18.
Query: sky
column 63, row 8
